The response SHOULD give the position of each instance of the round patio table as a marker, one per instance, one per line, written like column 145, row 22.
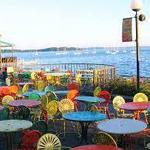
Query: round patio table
column 61, row 92
column 23, row 83
column 136, row 107
column 89, row 100
column 27, row 103
column 10, row 126
column 84, row 118
column 40, row 93
column 122, row 127
column 96, row 147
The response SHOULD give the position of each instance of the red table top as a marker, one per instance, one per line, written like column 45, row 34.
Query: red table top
column 96, row 147
column 27, row 103
column 134, row 106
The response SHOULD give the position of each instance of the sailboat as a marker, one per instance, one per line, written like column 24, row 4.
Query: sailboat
column 36, row 53
column 112, row 50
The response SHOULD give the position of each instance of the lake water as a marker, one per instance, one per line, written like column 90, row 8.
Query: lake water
column 124, row 59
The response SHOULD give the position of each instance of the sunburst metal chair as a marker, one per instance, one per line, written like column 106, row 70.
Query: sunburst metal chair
column 140, row 97
column 29, row 140
column 49, row 142
column 71, row 95
column 65, row 105
column 34, row 75
column 96, row 91
column 6, row 100
column 44, row 101
column 40, row 85
column 25, row 88
column 52, row 108
column 117, row 102
column 51, row 96
column 104, row 106
column 104, row 138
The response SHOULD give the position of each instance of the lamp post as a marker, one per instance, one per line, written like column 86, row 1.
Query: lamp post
column 136, row 6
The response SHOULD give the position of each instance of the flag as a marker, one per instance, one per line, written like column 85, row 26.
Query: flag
column 127, row 30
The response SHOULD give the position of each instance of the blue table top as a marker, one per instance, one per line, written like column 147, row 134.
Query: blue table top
column 90, row 99
column 86, row 116
column 122, row 126
column 64, row 92
column 40, row 93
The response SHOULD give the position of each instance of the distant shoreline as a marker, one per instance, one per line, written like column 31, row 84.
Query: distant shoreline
column 68, row 49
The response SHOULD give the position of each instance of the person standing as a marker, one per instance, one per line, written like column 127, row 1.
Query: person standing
column 4, row 74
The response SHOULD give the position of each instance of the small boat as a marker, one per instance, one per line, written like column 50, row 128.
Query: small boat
column 113, row 50
column 61, row 53
column 77, row 52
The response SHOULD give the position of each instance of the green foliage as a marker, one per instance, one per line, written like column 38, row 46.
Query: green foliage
column 145, row 88
column 120, row 86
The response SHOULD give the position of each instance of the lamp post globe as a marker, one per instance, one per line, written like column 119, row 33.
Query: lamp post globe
column 136, row 5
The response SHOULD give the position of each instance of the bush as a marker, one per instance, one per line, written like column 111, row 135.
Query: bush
column 120, row 86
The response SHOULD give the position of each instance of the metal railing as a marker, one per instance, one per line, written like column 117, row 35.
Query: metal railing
column 98, row 72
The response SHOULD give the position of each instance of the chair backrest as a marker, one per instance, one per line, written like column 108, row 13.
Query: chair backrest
column 5, row 91
column 33, row 75
column 117, row 102
column 44, row 101
column 65, row 105
column 105, row 94
column 73, row 86
column 6, row 100
column 14, row 89
column 49, row 142
column 49, row 88
column 96, row 91
column 78, row 78
column 40, row 85
column 30, row 139
column 41, row 126
column 8, row 82
column 140, row 97
column 21, row 112
column 4, row 113
column 72, row 94
column 25, row 88
column 51, row 96
column 34, row 96
column 104, row 139
column 52, row 108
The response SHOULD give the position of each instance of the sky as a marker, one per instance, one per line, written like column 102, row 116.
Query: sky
column 35, row 24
